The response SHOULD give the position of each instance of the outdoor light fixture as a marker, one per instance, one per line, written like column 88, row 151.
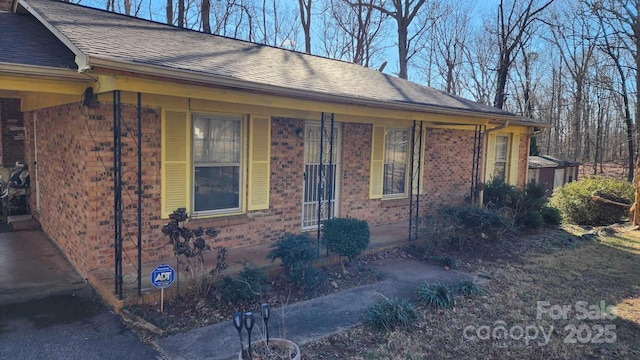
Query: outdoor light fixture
column 300, row 132
column 248, row 324
column 265, row 318
column 237, row 322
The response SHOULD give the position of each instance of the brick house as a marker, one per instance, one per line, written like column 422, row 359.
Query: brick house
column 252, row 139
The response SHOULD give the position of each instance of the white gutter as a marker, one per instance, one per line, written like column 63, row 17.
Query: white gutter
column 43, row 71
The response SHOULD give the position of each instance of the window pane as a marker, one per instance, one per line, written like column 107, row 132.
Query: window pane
column 500, row 171
column 395, row 161
column 394, row 178
column 502, row 143
column 216, row 140
column 217, row 188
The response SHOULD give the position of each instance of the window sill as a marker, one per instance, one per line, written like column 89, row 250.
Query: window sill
column 220, row 221
column 392, row 202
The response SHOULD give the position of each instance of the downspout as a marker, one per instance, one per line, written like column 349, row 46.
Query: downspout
column 485, row 141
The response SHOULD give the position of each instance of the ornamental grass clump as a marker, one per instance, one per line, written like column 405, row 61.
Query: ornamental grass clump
column 389, row 314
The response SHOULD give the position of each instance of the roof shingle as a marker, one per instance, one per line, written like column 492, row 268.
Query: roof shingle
column 109, row 36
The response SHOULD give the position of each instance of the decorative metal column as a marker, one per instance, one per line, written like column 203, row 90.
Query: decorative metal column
column 416, row 172
column 127, row 177
column 475, row 166
column 325, row 173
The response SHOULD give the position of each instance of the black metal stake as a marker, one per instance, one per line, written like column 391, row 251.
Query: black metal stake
column 248, row 323
column 265, row 318
column 237, row 322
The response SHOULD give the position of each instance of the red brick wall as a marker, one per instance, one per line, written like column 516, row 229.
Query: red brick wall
column 76, row 163
column 12, row 143
column 448, row 164
column 5, row 5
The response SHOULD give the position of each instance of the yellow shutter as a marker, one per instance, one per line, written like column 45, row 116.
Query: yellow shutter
column 377, row 163
column 416, row 160
column 513, row 161
column 259, row 162
column 176, row 161
column 491, row 157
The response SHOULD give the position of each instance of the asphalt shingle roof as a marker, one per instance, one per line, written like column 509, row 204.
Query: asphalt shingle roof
column 115, row 37
column 25, row 41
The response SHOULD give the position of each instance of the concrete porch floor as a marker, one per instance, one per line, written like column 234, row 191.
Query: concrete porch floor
column 382, row 237
column 33, row 267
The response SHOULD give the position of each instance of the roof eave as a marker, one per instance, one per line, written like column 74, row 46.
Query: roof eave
column 154, row 70
column 41, row 71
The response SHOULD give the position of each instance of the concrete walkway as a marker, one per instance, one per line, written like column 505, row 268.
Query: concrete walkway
column 313, row 319
column 33, row 267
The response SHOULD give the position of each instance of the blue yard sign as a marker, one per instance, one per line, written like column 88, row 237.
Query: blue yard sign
column 163, row 276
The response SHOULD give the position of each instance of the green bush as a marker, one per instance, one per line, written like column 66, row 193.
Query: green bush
column 346, row 237
column 435, row 295
column 448, row 261
column 551, row 215
column 523, row 207
column 577, row 207
column 458, row 223
column 297, row 253
column 388, row 314
column 246, row 286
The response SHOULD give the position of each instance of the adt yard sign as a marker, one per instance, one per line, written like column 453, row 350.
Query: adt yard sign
column 163, row 276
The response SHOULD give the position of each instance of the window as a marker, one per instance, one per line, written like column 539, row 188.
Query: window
column 500, row 164
column 396, row 147
column 217, row 153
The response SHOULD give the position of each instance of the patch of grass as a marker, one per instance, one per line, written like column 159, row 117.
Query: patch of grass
column 468, row 288
column 389, row 314
column 435, row 295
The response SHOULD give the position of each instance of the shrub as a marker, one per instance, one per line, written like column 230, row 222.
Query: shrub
column 577, row 207
column 448, row 261
column 460, row 223
column 435, row 295
column 246, row 286
column 551, row 215
column 522, row 206
column 388, row 314
column 297, row 254
column 468, row 287
column 346, row 237
column 188, row 247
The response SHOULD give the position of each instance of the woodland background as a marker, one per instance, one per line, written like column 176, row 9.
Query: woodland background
column 570, row 63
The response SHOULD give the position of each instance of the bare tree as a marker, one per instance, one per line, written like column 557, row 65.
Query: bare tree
column 170, row 12
column 305, row 19
column 352, row 32
column 574, row 37
column 620, row 24
column 205, row 13
column 404, row 12
column 448, row 44
column 512, row 24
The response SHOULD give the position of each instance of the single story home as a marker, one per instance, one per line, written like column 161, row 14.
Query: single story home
column 551, row 173
column 127, row 120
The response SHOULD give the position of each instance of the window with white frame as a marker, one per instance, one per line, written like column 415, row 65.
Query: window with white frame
column 500, row 163
column 396, row 148
column 217, row 159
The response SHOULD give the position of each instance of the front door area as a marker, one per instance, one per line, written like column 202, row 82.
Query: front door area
column 321, row 169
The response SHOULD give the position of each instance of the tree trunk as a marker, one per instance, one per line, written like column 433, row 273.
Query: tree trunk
column 170, row 12
column 181, row 13
column 402, row 48
column 205, row 12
